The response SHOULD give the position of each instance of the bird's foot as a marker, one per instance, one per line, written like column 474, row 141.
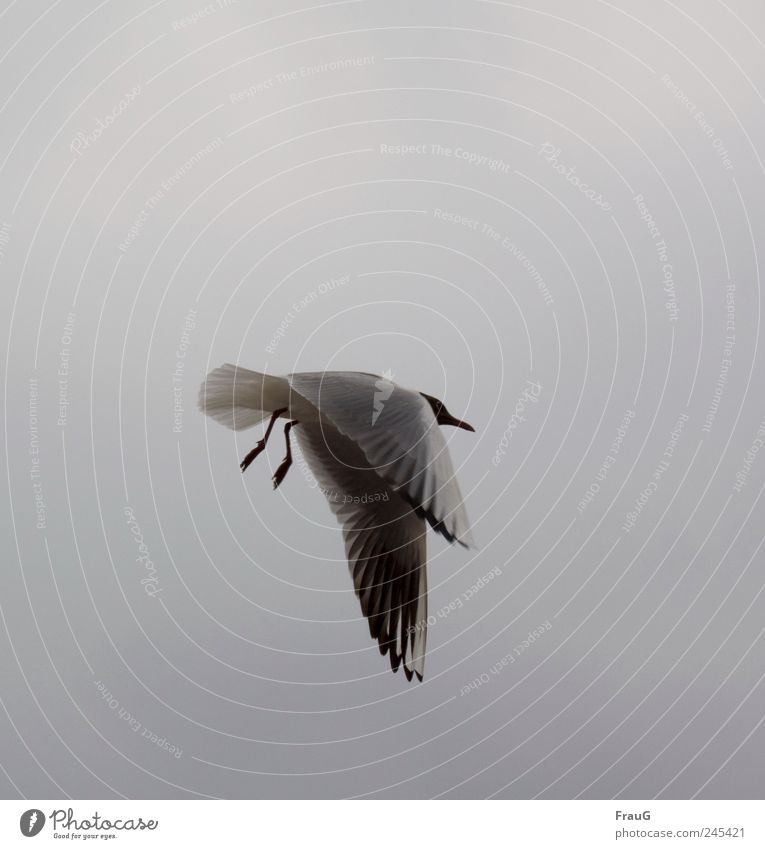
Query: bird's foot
column 287, row 461
column 281, row 472
column 252, row 455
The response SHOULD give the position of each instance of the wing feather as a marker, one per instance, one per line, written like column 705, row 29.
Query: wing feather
column 399, row 437
column 384, row 542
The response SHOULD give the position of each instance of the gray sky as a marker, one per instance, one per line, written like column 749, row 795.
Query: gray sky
column 481, row 197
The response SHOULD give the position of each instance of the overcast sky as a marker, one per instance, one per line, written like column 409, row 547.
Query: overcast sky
column 547, row 215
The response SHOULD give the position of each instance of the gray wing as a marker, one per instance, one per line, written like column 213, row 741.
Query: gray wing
column 384, row 543
column 398, row 434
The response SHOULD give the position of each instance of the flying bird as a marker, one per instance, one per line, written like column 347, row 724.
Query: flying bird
column 378, row 455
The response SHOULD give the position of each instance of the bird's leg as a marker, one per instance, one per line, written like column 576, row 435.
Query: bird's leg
column 287, row 461
column 261, row 443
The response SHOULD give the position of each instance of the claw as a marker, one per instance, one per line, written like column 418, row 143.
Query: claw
column 261, row 442
column 281, row 473
column 252, row 455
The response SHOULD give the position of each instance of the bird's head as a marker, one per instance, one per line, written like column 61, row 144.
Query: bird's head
column 443, row 416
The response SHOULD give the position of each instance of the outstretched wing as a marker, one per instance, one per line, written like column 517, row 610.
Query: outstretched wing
column 384, row 543
column 399, row 437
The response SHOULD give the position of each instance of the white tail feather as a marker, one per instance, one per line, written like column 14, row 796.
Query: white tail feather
column 239, row 398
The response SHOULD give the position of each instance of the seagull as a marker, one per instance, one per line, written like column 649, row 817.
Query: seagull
column 381, row 461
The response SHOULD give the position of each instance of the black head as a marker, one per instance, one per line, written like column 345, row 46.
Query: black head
column 443, row 416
